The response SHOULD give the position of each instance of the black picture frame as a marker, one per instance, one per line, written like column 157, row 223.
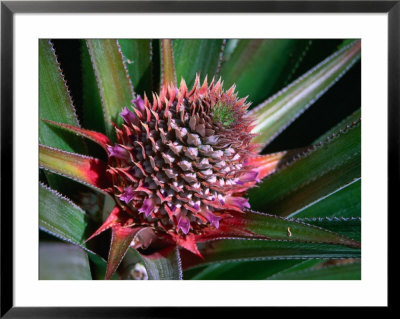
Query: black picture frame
column 9, row 8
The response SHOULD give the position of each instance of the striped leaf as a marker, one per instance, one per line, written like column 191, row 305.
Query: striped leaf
column 227, row 250
column 313, row 175
column 138, row 55
column 197, row 56
column 113, row 81
column 168, row 73
column 275, row 114
column 61, row 217
column 168, row 267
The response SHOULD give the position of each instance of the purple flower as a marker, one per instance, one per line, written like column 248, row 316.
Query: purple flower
column 128, row 116
column 239, row 202
column 118, row 152
column 213, row 219
column 183, row 224
column 247, row 177
column 127, row 195
column 147, row 207
column 139, row 103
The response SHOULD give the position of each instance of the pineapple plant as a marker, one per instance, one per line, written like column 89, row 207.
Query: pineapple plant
column 164, row 159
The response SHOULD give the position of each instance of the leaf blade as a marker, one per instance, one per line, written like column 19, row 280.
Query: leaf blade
column 259, row 67
column 164, row 268
column 275, row 114
column 244, row 270
column 59, row 261
column 348, row 271
column 96, row 137
column 349, row 227
column 314, row 174
column 168, row 73
column 120, row 242
column 55, row 102
column 137, row 54
column 342, row 202
column 92, row 110
column 227, row 250
column 196, row 56
column 113, row 81
column 251, row 224
column 61, row 217
column 86, row 170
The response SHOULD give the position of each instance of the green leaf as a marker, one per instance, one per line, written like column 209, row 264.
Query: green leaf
column 61, row 217
column 96, row 137
column 83, row 169
column 275, row 114
column 260, row 67
column 166, row 268
column 137, row 54
column 303, row 264
column 352, row 119
column 229, row 48
column 226, row 250
column 349, row 227
column 318, row 172
column 59, row 261
column 250, row 270
column 251, row 224
column 92, row 110
column 347, row 271
column 168, row 74
column 342, row 202
column 55, row 102
column 196, row 56
column 113, row 81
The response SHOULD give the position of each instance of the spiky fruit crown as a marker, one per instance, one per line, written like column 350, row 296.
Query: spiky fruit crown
column 180, row 162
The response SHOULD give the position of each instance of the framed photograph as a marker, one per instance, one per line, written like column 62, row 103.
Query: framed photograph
column 192, row 149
